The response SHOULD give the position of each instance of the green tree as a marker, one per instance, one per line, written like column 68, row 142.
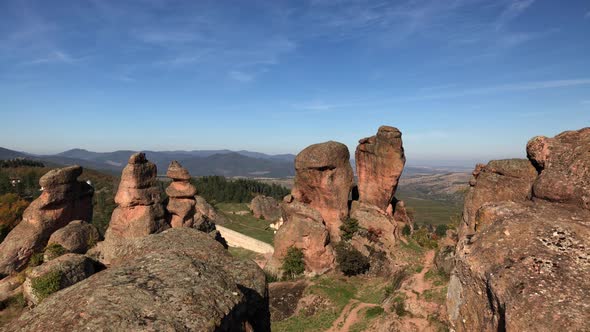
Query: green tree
column 293, row 264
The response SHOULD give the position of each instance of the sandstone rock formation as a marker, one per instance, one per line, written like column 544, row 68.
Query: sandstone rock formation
column 77, row 237
column 139, row 211
column 304, row 229
column 205, row 212
column 523, row 264
column 177, row 280
column 265, row 207
column 323, row 179
column 181, row 204
column 380, row 161
column 564, row 166
column 499, row 180
column 66, row 270
column 63, row 199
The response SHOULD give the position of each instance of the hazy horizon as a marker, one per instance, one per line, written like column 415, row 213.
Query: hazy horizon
column 463, row 79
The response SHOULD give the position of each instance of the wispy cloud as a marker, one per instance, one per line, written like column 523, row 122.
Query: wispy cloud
column 514, row 9
column 56, row 56
column 587, row 15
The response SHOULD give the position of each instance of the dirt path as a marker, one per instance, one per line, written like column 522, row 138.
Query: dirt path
column 349, row 316
column 419, row 308
column 235, row 239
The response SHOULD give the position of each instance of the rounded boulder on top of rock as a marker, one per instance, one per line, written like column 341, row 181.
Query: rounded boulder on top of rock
column 63, row 199
column 323, row 179
column 380, row 160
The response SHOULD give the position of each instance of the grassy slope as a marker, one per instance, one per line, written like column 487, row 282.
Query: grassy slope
column 246, row 224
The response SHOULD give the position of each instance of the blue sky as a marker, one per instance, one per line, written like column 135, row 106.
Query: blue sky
column 463, row 79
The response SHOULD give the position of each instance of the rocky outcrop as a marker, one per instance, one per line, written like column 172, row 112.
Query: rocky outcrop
column 323, row 179
column 177, row 280
column 55, row 275
column 564, row 166
column 63, row 199
column 265, row 207
column 304, row 229
column 523, row 262
column 181, row 204
column 77, row 237
column 499, row 180
column 376, row 237
column 204, row 212
column 139, row 211
column 380, row 161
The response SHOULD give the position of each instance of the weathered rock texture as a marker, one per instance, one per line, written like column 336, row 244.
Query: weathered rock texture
column 376, row 237
column 178, row 280
column 564, row 166
column 77, row 237
column 323, row 179
column 181, row 204
column 139, row 211
column 69, row 269
column 522, row 264
column 265, row 207
column 63, row 199
column 380, row 161
column 304, row 229
column 499, row 180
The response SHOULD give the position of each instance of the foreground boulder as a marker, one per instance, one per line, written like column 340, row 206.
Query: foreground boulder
column 63, row 199
column 564, row 166
column 77, row 237
column 265, row 207
column 323, row 179
column 181, row 204
column 522, row 262
column 139, row 211
column 304, row 229
column 380, row 161
column 499, row 180
column 55, row 275
column 178, row 280
column 527, row 269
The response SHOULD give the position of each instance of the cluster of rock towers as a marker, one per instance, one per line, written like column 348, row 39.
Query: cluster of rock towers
column 320, row 200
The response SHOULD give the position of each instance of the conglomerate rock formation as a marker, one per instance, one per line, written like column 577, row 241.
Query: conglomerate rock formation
column 63, row 199
column 380, row 161
column 523, row 257
column 323, row 179
column 319, row 204
column 181, row 192
column 178, row 280
column 139, row 211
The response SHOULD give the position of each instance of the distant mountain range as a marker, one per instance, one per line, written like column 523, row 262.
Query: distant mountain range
column 198, row 162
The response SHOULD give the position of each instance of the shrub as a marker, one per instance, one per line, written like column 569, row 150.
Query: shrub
column 47, row 284
column 36, row 259
column 350, row 261
column 348, row 228
column 423, row 238
column 54, row 250
column 399, row 306
column 374, row 312
column 293, row 264
column 441, row 230
column 270, row 277
column 407, row 230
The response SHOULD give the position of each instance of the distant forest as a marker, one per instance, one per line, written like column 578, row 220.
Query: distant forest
column 217, row 189
column 20, row 162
